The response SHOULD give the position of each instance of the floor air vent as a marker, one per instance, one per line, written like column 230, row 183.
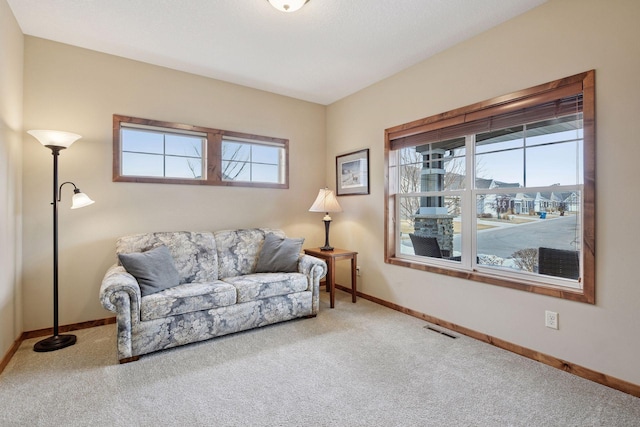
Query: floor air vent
column 445, row 333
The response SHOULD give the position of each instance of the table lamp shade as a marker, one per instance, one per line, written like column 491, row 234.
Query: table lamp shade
column 325, row 202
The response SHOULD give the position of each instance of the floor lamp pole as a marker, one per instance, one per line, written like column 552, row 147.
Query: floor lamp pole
column 57, row 341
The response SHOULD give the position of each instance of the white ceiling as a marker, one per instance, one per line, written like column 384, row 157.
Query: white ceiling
column 325, row 51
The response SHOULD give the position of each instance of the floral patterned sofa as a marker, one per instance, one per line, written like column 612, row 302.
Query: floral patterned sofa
column 218, row 290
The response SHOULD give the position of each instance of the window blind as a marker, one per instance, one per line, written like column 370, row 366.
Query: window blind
column 517, row 112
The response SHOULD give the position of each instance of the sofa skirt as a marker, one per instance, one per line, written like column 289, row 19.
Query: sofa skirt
column 160, row 334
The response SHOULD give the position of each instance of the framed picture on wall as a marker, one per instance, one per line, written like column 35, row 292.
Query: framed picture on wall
column 352, row 173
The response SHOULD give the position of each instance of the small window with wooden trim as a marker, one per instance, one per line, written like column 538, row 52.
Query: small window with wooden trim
column 153, row 151
column 500, row 192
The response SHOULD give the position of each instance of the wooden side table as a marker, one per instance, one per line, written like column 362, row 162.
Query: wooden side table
column 330, row 257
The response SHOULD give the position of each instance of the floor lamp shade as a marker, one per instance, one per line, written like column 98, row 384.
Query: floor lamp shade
column 326, row 202
column 57, row 141
column 80, row 200
column 54, row 138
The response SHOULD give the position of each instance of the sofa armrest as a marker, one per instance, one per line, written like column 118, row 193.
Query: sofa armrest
column 120, row 293
column 315, row 269
column 312, row 267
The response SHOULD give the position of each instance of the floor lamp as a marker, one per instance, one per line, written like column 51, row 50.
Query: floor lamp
column 326, row 202
column 57, row 141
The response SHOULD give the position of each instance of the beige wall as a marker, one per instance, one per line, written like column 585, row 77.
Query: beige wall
column 77, row 90
column 11, row 52
column 557, row 39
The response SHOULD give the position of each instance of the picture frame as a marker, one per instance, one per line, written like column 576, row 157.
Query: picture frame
column 352, row 173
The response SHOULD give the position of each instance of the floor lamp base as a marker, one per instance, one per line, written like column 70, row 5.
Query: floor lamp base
column 55, row 342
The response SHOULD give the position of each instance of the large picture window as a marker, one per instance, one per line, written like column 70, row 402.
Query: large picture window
column 500, row 192
column 163, row 152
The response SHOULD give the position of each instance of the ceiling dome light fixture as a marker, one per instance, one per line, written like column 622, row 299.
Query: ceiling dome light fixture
column 288, row 5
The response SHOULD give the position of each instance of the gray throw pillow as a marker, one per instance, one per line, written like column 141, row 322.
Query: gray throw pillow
column 154, row 269
column 279, row 255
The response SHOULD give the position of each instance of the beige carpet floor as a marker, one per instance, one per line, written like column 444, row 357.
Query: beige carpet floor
column 356, row 365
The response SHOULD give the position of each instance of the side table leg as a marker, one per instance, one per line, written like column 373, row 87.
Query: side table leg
column 332, row 282
column 354, row 263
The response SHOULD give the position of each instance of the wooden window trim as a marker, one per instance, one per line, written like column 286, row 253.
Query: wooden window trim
column 583, row 82
column 214, row 154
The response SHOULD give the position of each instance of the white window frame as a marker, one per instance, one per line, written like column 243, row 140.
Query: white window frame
column 166, row 132
column 252, row 162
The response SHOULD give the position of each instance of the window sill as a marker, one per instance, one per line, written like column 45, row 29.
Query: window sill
column 577, row 295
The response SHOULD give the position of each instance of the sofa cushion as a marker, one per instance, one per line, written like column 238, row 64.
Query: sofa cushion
column 279, row 255
column 187, row 298
column 153, row 269
column 257, row 286
column 238, row 250
column 194, row 253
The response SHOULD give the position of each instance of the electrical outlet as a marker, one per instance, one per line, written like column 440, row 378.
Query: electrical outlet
column 551, row 319
column 358, row 271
